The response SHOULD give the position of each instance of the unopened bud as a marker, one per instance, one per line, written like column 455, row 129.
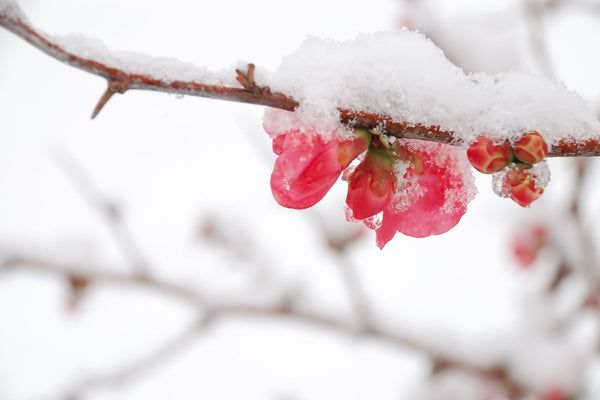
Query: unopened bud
column 531, row 148
column 487, row 157
column 521, row 187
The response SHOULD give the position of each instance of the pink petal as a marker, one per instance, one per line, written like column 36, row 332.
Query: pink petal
column 370, row 186
column 304, row 171
column 444, row 188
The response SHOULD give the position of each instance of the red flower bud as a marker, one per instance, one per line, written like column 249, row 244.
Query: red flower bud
column 521, row 187
column 487, row 157
column 531, row 148
column 371, row 185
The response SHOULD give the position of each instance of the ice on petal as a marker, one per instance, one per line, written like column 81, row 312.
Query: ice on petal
column 498, row 183
column 541, row 174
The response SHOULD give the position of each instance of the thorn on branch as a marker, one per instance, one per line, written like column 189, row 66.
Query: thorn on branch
column 341, row 244
column 112, row 88
column 439, row 365
column 77, row 288
column 246, row 79
column 289, row 299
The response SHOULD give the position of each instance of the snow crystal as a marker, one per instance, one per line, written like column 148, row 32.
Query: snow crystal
column 374, row 221
column 457, row 194
column 401, row 167
column 278, row 122
column 163, row 68
column 404, row 75
column 541, row 174
column 498, row 183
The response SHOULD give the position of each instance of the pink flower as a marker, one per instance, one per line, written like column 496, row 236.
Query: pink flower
column 308, row 165
column 410, row 186
column 371, row 185
column 438, row 188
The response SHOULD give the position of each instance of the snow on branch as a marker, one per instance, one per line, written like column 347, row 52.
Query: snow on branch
column 398, row 83
column 127, row 70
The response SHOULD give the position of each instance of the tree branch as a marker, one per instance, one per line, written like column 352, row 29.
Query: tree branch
column 120, row 81
column 213, row 311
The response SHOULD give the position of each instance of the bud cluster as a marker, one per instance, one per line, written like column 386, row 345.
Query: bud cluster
column 519, row 182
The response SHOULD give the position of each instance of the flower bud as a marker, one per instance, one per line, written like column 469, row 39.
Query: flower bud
column 521, row 187
column 487, row 157
column 531, row 148
column 371, row 185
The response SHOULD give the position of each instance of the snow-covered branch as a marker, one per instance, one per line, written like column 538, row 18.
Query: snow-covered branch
column 572, row 136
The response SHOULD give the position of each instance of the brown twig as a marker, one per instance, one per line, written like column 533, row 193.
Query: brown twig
column 98, row 276
column 585, row 235
column 120, row 81
column 283, row 309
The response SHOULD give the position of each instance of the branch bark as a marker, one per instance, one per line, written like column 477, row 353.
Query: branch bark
column 211, row 311
column 120, row 81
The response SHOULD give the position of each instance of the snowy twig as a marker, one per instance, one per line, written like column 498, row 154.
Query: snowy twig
column 95, row 276
column 215, row 310
column 120, row 81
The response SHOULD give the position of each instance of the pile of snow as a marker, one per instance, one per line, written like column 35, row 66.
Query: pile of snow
column 404, row 75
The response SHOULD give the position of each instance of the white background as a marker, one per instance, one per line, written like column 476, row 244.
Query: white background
column 170, row 162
